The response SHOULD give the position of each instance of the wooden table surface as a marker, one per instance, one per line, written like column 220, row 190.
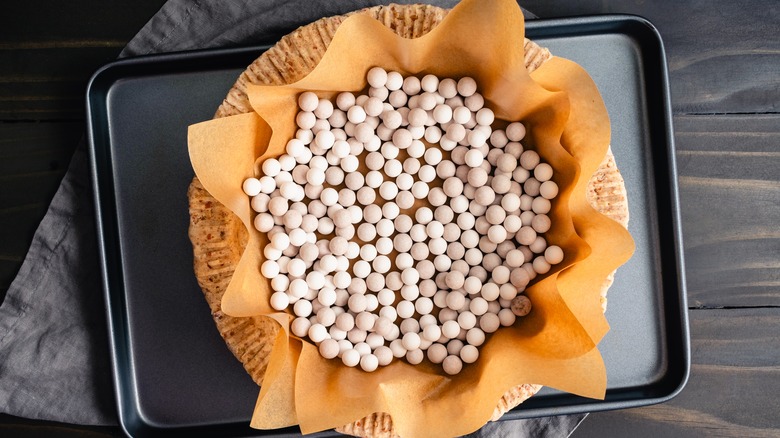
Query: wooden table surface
column 724, row 62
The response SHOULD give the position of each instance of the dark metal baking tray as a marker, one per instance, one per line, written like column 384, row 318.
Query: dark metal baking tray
column 172, row 371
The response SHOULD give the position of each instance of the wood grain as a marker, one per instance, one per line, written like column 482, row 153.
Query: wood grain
column 723, row 56
column 47, row 20
column 33, row 160
column 729, row 169
column 733, row 387
column 47, row 82
column 49, row 50
column 730, row 133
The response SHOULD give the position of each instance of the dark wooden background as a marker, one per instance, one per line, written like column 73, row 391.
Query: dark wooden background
column 724, row 61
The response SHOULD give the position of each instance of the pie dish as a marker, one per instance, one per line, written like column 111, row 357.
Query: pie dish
column 219, row 237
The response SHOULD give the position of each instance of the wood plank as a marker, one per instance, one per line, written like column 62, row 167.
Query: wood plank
column 17, row 228
column 733, row 387
column 46, row 21
column 19, row 225
column 729, row 168
column 33, row 159
column 723, row 56
column 47, row 56
column 36, row 147
column 17, row 190
column 48, row 83
column 752, row 133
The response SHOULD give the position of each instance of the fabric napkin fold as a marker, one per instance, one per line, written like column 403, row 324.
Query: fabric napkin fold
column 54, row 358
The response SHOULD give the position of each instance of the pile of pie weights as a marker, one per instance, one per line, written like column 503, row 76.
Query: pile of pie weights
column 401, row 224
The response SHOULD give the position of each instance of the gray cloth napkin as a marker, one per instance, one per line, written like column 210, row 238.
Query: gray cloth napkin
column 54, row 360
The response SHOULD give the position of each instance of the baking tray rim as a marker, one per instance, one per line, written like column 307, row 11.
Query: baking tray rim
column 111, row 265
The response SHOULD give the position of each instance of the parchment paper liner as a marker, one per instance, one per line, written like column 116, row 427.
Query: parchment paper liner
column 555, row 345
